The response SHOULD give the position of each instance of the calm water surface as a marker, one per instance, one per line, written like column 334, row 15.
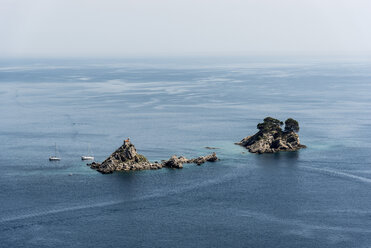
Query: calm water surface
column 317, row 197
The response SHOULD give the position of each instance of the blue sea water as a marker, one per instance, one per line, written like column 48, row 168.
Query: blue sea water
column 317, row 197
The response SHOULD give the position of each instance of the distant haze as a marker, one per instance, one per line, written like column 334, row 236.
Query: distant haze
column 50, row 28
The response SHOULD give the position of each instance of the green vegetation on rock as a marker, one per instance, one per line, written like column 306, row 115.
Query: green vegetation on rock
column 270, row 124
column 140, row 158
column 291, row 125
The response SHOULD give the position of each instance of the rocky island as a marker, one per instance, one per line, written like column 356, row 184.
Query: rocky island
column 126, row 158
column 271, row 138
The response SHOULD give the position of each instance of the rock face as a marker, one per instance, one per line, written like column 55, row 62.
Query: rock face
column 271, row 138
column 126, row 158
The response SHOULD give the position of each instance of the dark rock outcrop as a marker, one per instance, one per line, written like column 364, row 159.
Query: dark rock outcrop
column 200, row 160
column 126, row 158
column 177, row 162
column 271, row 138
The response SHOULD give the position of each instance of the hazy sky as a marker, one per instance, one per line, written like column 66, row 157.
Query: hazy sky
column 183, row 27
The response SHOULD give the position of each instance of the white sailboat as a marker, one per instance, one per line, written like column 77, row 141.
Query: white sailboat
column 54, row 157
column 89, row 156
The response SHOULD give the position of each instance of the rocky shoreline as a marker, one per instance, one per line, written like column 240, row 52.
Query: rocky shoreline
column 271, row 138
column 126, row 158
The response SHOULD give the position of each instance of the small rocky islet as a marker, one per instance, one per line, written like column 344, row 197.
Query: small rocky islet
column 126, row 158
column 271, row 138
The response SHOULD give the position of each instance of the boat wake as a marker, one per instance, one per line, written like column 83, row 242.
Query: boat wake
column 159, row 194
column 300, row 224
column 336, row 173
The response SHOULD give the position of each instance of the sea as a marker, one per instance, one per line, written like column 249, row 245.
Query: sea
column 316, row 197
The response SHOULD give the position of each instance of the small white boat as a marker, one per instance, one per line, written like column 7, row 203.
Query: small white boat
column 89, row 156
column 54, row 157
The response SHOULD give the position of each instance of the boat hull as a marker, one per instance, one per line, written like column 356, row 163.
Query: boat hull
column 87, row 158
column 54, row 159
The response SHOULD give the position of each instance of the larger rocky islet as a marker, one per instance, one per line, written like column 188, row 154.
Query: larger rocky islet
column 271, row 138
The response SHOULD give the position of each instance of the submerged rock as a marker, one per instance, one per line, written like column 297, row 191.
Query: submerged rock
column 270, row 137
column 126, row 158
column 211, row 148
